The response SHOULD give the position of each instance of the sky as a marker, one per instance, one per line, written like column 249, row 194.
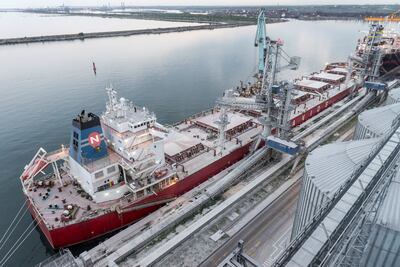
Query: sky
column 44, row 3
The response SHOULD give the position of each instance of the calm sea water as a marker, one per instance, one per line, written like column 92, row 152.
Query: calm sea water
column 43, row 86
column 13, row 24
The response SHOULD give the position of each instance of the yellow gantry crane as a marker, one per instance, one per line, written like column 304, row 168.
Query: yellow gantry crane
column 394, row 17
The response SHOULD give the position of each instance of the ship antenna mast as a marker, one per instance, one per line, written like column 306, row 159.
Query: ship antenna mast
column 112, row 98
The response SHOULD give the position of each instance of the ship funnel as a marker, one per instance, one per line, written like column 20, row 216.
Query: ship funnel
column 87, row 139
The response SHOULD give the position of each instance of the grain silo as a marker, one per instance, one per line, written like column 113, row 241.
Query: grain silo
column 393, row 96
column 376, row 122
column 326, row 169
column 383, row 244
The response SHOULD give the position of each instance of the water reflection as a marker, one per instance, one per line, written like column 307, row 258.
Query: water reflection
column 13, row 24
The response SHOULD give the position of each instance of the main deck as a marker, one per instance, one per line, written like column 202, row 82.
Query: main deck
column 193, row 143
column 194, row 146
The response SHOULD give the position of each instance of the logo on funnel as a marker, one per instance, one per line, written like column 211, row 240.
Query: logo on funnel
column 94, row 139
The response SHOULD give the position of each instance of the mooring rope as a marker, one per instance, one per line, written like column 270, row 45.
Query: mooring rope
column 12, row 250
column 7, row 234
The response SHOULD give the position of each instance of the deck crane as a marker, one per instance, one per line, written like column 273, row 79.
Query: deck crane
column 276, row 95
column 274, row 98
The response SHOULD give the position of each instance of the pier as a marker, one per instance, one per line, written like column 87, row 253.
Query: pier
column 91, row 35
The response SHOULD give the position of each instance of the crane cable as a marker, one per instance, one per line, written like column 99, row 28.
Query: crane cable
column 7, row 234
column 285, row 55
column 254, row 69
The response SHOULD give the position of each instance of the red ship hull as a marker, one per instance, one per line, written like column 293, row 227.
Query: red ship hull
column 96, row 227
column 319, row 108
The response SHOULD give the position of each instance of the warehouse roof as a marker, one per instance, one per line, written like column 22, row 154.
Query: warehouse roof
column 329, row 166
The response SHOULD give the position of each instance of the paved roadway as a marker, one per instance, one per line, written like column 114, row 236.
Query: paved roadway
column 267, row 234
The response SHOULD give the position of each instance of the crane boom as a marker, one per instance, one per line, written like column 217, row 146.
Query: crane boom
column 260, row 41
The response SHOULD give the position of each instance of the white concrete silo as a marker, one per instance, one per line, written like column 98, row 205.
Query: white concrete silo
column 376, row 122
column 393, row 96
column 383, row 246
column 326, row 169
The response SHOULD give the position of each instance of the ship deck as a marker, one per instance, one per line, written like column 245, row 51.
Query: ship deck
column 52, row 207
column 51, row 200
column 193, row 133
column 318, row 98
column 207, row 158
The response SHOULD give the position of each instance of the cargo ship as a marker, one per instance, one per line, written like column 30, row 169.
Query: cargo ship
column 385, row 44
column 123, row 164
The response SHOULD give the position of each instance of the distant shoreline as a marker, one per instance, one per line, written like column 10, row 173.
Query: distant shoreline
column 189, row 18
column 204, row 25
column 171, row 17
column 223, row 13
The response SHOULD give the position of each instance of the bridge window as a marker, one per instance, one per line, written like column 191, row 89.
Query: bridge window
column 99, row 174
column 140, row 194
column 111, row 169
column 75, row 144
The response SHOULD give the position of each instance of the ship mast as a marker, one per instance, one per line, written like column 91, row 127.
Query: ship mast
column 112, row 99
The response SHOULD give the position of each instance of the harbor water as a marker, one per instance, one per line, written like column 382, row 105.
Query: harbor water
column 43, row 86
column 16, row 24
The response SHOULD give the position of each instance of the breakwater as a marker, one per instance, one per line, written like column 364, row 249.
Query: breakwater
column 91, row 35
